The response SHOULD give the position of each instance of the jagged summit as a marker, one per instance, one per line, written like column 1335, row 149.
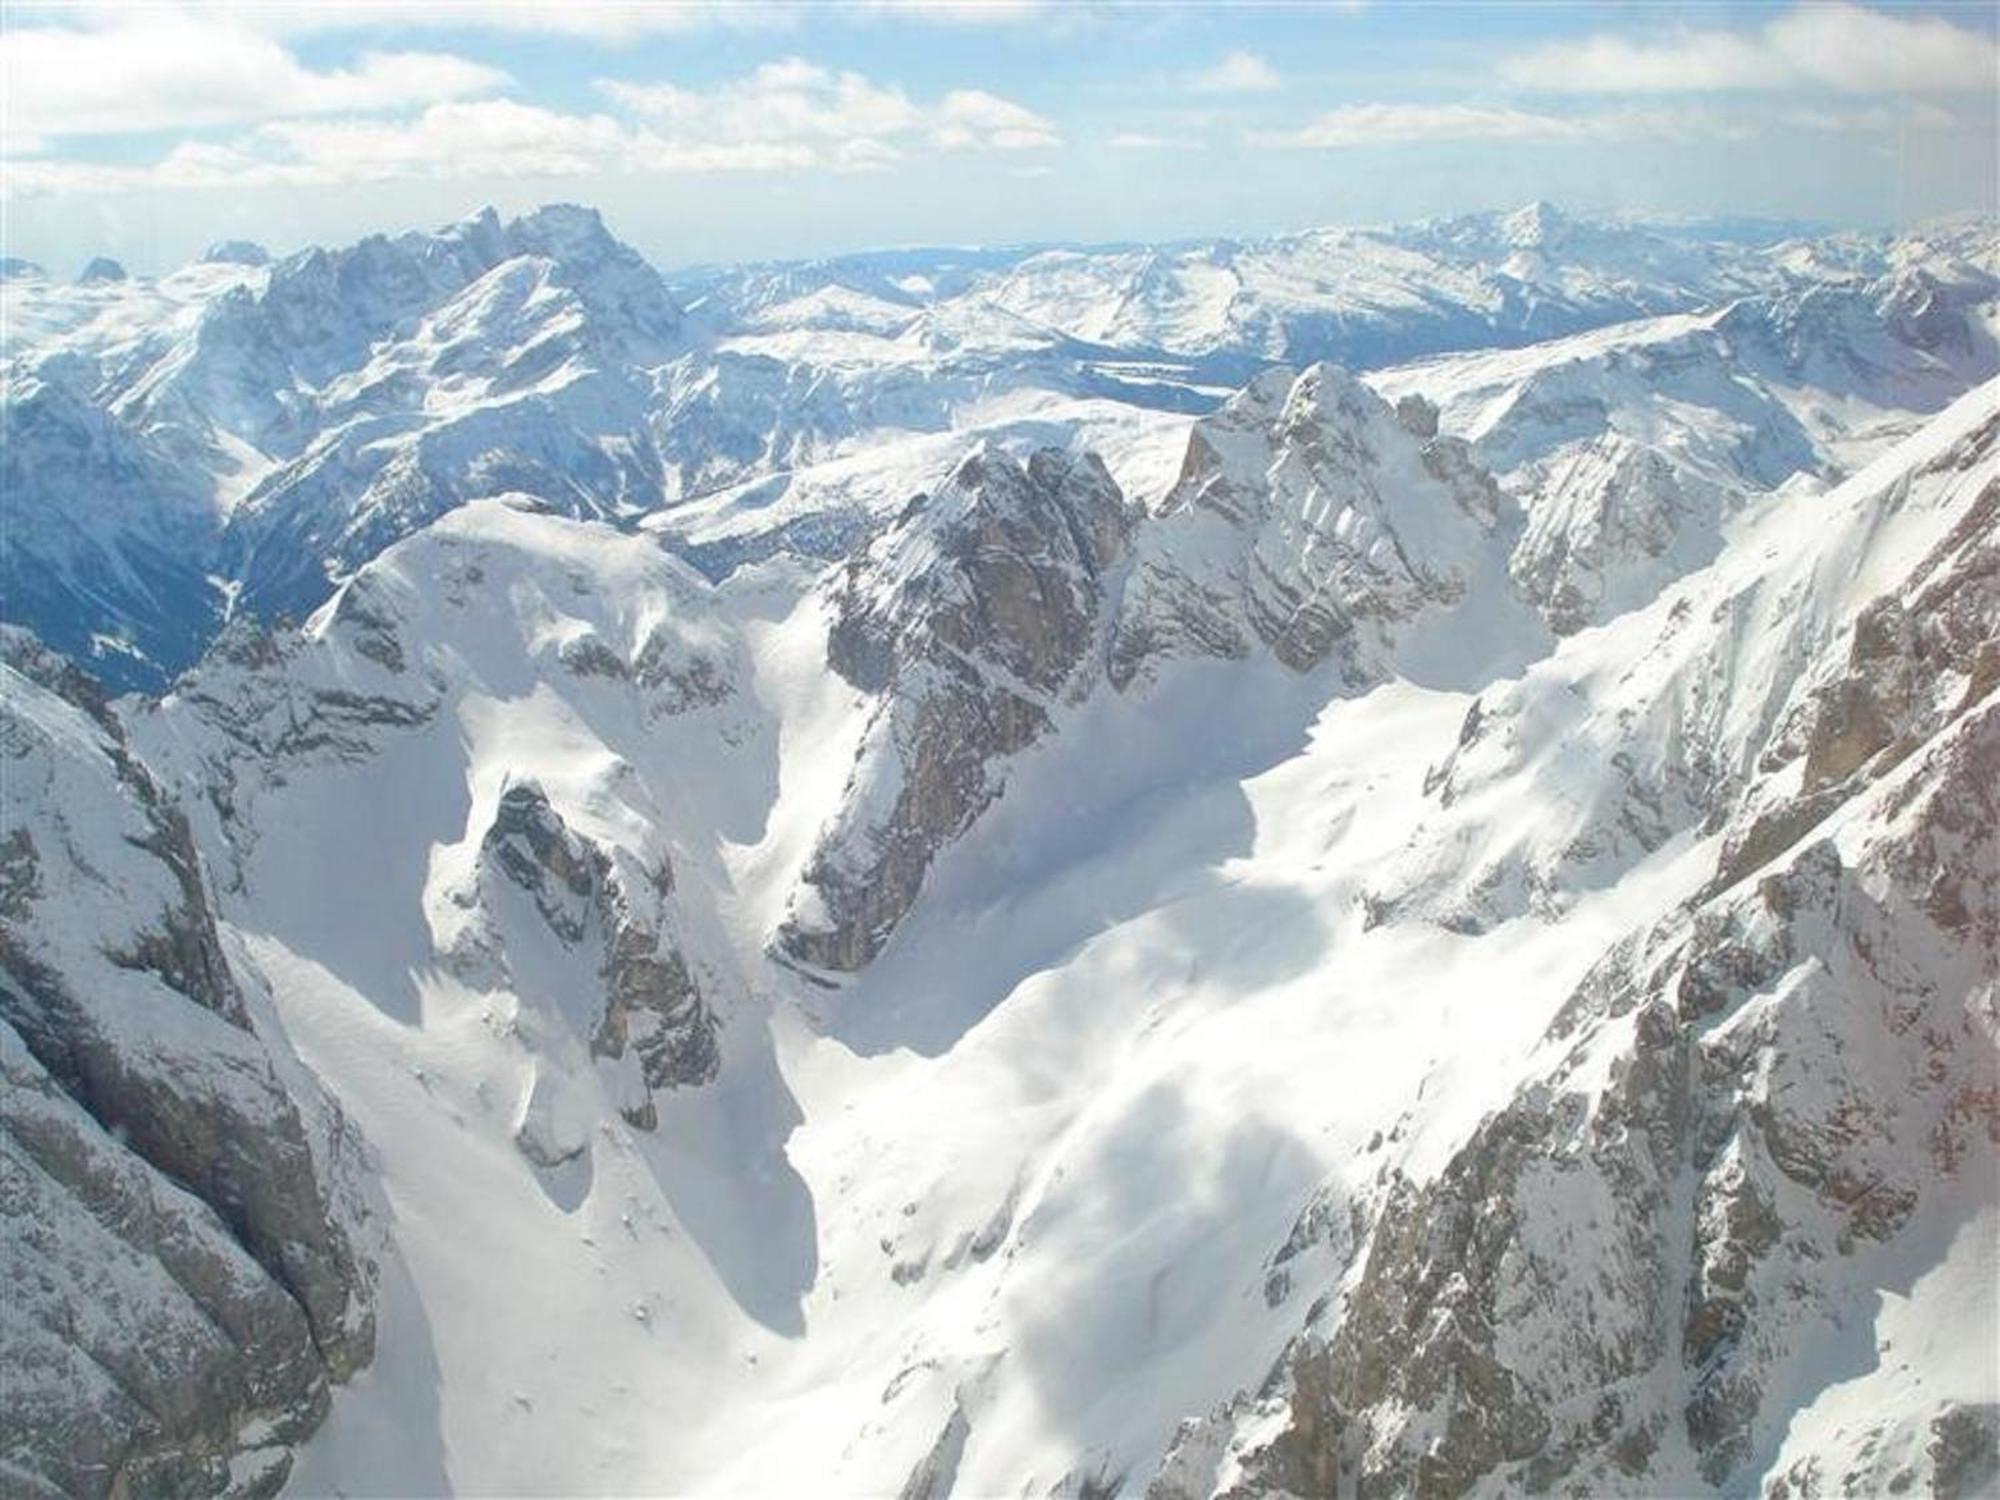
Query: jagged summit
column 236, row 253
column 1314, row 519
column 1539, row 225
column 972, row 621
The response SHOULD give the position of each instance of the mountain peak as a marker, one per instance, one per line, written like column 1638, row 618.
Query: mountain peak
column 236, row 253
column 1539, row 224
column 563, row 230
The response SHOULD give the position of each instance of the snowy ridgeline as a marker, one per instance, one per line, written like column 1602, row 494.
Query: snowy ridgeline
column 1430, row 933
column 239, row 436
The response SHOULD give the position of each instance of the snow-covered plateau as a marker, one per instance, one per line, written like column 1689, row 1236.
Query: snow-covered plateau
column 1358, row 864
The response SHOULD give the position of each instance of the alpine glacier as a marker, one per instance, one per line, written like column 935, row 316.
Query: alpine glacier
column 1357, row 864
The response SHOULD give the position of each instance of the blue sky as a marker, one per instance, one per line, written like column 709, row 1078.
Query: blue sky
column 736, row 131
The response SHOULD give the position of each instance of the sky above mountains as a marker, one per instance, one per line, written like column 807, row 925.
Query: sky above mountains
column 741, row 131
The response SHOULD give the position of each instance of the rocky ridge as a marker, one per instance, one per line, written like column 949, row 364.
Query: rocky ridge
column 972, row 621
column 410, row 650
column 186, row 1220
column 283, row 422
column 1743, row 1108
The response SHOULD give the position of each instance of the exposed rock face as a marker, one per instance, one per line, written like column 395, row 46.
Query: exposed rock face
column 376, row 679
column 1793, row 1069
column 934, row 1474
column 79, row 461
column 1310, row 517
column 1744, row 1114
column 974, row 619
column 571, row 313
column 1695, row 731
column 501, row 814
column 586, row 894
column 1917, row 657
column 187, row 1280
column 1630, row 449
column 1605, row 513
column 310, row 378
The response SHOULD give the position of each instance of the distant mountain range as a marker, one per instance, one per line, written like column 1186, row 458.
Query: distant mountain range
column 241, row 435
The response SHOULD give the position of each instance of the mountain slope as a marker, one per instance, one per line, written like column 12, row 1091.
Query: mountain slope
column 186, row 1220
column 1795, row 1066
column 1630, row 448
column 1252, row 1021
column 1335, row 949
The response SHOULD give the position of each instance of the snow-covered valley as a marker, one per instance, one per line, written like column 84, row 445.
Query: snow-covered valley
column 1359, row 864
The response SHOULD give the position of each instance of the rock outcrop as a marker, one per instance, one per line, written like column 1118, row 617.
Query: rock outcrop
column 1734, row 716
column 1795, row 1071
column 558, row 901
column 1750, row 1112
column 973, row 620
column 188, row 1266
column 590, row 896
column 1310, row 518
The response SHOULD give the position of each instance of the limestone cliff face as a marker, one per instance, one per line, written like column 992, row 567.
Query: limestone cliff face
column 1751, row 1095
column 558, row 898
column 973, row 619
column 186, row 1250
column 1602, row 511
column 595, row 900
column 1914, row 657
column 1312, row 518
column 1750, row 1111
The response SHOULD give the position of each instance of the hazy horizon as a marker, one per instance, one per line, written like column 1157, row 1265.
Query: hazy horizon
column 713, row 134
column 1728, row 225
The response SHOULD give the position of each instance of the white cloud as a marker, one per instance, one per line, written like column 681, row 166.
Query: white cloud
column 857, row 122
column 1139, row 141
column 167, row 71
column 791, row 100
column 959, row 12
column 1238, row 73
column 786, row 116
column 1356, row 125
column 1917, row 115
column 492, row 138
column 1833, row 45
column 1687, row 62
column 609, row 22
column 972, row 119
column 1390, row 124
column 1865, row 51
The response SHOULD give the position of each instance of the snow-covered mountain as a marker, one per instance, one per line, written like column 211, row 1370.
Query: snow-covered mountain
column 1362, row 296
column 267, row 429
column 257, row 431
column 1630, row 447
column 187, row 1231
column 1433, row 931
